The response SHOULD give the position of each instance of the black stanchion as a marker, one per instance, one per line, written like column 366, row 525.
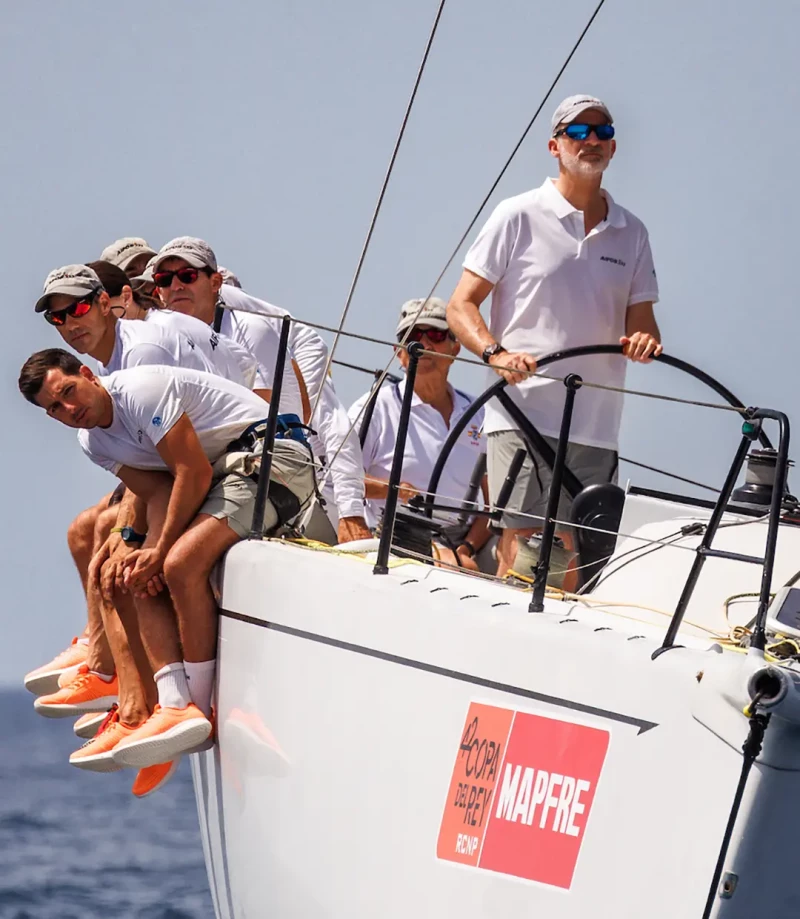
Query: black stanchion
column 262, row 493
column 573, row 383
column 387, row 528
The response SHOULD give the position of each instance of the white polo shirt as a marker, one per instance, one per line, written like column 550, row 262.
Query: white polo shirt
column 427, row 432
column 556, row 287
column 148, row 401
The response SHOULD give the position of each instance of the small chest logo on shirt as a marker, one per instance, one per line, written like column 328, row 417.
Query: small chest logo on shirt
column 157, row 421
column 214, row 341
column 614, row 261
column 139, row 434
column 190, row 343
column 474, row 434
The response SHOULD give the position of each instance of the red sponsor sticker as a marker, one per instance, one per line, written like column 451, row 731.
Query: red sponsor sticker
column 521, row 794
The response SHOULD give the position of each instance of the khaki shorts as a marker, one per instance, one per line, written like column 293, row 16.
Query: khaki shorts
column 233, row 492
column 592, row 465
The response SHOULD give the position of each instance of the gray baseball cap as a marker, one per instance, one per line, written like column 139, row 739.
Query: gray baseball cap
column 572, row 106
column 122, row 252
column 195, row 252
column 72, row 280
column 434, row 314
column 228, row 277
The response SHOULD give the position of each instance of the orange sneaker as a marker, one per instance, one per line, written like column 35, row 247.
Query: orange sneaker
column 86, row 693
column 87, row 725
column 166, row 733
column 44, row 679
column 67, row 676
column 96, row 754
column 151, row 778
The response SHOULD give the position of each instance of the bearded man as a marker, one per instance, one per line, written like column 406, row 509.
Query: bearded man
column 566, row 266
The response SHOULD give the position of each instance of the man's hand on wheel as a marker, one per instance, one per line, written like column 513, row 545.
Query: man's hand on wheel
column 641, row 347
column 513, row 366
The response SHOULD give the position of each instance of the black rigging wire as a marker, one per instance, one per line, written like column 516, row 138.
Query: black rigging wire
column 381, row 195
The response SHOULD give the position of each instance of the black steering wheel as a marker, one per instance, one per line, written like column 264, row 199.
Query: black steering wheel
column 534, row 438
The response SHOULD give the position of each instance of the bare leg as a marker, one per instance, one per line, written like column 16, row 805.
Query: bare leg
column 80, row 539
column 100, row 658
column 507, row 549
column 187, row 569
column 137, row 694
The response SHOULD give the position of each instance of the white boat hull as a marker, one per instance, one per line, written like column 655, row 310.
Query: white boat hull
column 340, row 787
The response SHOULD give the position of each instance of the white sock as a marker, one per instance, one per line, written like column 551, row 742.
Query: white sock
column 200, row 676
column 102, row 676
column 83, row 641
column 173, row 690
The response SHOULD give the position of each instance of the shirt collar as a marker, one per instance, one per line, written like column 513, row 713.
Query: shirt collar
column 559, row 205
column 416, row 401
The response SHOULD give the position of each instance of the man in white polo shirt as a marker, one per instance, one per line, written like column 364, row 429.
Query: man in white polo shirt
column 566, row 266
column 205, row 431
column 436, row 406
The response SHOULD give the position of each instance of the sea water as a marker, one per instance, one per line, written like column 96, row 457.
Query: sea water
column 78, row 845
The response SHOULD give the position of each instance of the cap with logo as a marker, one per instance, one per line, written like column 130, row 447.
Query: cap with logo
column 228, row 277
column 433, row 314
column 122, row 252
column 195, row 252
column 72, row 280
column 572, row 106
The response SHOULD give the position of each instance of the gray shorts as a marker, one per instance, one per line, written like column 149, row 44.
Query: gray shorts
column 233, row 493
column 592, row 465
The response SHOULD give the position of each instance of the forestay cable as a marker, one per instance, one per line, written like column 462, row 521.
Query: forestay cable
column 379, row 203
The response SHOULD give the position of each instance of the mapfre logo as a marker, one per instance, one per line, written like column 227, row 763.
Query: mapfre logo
column 521, row 794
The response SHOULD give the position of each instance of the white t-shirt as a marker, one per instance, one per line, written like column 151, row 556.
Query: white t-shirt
column 308, row 349
column 139, row 343
column 556, row 287
column 427, row 432
column 261, row 336
column 231, row 359
column 148, row 401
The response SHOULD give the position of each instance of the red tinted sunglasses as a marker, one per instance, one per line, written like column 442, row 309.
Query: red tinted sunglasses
column 437, row 336
column 163, row 279
column 77, row 309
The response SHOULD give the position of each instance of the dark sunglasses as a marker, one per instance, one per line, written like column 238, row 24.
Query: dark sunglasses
column 437, row 336
column 184, row 275
column 77, row 309
column 582, row 131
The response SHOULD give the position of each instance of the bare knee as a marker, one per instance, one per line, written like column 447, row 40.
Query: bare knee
column 181, row 571
column 104, row 523
column 80, row 534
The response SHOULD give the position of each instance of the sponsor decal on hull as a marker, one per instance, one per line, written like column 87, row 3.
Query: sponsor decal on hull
column 521, row 794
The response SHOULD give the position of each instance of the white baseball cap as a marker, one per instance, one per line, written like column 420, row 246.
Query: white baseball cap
column 195, row 252
column 228, row 277
column 572, row 106
column 72, row 280
column 434, row 314
column 122, row 252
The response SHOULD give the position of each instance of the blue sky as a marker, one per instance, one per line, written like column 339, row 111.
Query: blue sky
column 266, row 128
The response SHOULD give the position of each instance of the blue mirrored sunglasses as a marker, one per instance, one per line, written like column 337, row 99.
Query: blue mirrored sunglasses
column 582, row 131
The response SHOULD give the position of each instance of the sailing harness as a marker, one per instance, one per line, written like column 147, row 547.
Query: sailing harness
column 249, row 446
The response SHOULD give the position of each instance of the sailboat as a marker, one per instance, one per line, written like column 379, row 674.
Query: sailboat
column 398, row 738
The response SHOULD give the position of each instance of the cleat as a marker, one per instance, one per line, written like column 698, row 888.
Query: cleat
column 151, row 778
column 87, row 725
column 86, row 693
column 96, row 754
column 167, row 733
column 44, row 679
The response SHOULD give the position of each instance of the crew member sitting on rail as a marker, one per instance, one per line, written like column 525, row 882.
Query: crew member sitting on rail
column 309, row 356
column 435, row 407
column 567, row 266
column 207, row 432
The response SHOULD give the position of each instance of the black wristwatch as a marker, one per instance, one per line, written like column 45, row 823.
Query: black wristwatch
column 129, row 535
column 468, row 544
column 489, row 352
